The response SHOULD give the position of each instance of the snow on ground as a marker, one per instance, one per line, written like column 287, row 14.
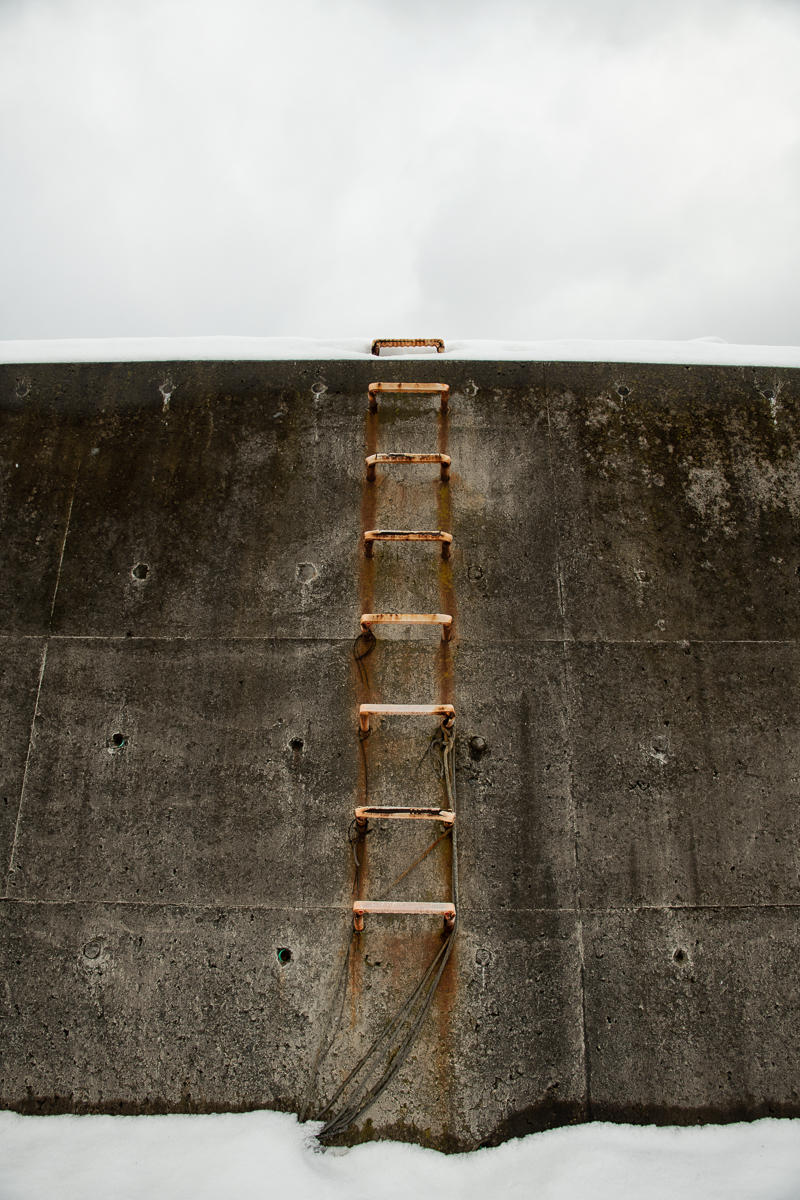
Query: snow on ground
column 267, row 1156
column 710, row 351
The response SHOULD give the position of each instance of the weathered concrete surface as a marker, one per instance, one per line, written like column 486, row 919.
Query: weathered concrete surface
column 679, row 496
column 183, row 578
column 691, row 1013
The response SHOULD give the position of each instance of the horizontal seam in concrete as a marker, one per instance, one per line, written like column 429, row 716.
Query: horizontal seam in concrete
column 346, row 639
column 346, row 908
column 683, row 642
column 222, row 906
column 754, row 905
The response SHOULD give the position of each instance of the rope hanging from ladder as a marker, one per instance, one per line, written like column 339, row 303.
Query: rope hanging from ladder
column 376, row 1068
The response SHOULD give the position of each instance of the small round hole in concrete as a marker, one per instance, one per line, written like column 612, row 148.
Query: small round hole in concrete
column 482, row 957
column 477, row 747
column 140, row 571
column 92, row 949
column 306, row 572
column 679, row 956
column 284, row 955
column 623, row 391
column 118, row 740
column 296, row 743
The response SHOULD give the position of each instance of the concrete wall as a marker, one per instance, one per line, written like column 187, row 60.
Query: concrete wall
column 625, row 578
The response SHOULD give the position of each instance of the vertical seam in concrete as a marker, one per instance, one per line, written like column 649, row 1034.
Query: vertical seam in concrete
column 63, row 548
column 568, row 725
column 31, row 738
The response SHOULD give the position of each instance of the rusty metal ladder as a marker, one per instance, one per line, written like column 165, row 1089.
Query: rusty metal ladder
column 361, row 906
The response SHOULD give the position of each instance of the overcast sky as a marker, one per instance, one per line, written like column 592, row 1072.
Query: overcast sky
column 330, row 168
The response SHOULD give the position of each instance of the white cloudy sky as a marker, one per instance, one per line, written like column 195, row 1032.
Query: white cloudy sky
column 324, row 168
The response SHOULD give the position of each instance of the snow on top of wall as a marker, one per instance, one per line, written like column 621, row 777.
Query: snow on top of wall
column 265, row 1155
column 701, row 351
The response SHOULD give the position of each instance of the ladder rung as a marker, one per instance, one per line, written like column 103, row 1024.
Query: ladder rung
column 437, row 343
column 416, row 389
column 363, row 812
column 419, row 389
column 365, row 711
column 400, row 459
column 407, row 535
column 443, row 619
column 423, row 908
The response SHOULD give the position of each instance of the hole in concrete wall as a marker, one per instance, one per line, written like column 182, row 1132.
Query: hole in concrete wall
column 296, row 743
column 92, row 949
column 284, row 955
column 679, row 956
column 623, row 391
column 477, row 747
column 768, row 394
column 140, row 571
column 118, row 740
column 306, row 572
column 482, row 957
